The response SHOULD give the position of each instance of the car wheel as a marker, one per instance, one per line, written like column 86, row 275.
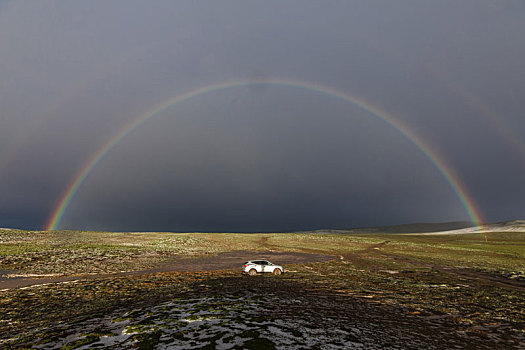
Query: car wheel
column 277, row 272
column 252, row 272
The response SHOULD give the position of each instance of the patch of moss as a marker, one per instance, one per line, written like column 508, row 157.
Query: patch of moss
column 202, row 317
column 139, row 328
column 148, row 341
column 89, row 339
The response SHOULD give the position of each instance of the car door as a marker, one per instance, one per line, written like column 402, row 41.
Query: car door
column 258, row 266
column 265, row 266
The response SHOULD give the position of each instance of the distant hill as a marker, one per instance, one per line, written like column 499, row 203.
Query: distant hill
column 507, row 226
column 422, row 227
column 456, row 227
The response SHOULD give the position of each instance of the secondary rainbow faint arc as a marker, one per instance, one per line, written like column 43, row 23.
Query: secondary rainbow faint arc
column 433, row 156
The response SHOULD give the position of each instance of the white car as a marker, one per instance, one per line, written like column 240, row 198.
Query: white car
column 254, row 267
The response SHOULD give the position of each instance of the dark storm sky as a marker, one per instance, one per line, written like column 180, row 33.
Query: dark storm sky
column 260, row 158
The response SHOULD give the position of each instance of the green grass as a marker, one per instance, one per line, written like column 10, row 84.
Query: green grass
column 93, row 252
column 371, row 275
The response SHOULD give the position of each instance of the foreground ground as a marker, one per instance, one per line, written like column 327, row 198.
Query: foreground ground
column 162, row 290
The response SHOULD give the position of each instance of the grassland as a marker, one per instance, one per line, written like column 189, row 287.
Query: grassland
column 378, row 291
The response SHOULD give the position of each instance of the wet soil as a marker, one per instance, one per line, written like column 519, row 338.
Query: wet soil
column 204, row 302
column 478, row 276
column 286, row 312
column 222, row 261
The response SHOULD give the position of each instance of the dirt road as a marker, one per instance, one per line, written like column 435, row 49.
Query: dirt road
column 223, row 261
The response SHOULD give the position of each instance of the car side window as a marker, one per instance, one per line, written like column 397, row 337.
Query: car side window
column 264, row 262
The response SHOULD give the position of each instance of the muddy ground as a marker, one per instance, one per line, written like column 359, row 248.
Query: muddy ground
column 222, row 261
column 338, row 292
column 228, row 311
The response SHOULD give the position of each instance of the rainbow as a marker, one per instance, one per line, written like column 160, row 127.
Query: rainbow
column 447, row 172
column 482, row 109
column 473, row 102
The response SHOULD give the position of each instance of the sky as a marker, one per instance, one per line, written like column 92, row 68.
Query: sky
column 260, row 116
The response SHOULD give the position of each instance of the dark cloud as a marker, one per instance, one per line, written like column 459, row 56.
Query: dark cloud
column 260, row 157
